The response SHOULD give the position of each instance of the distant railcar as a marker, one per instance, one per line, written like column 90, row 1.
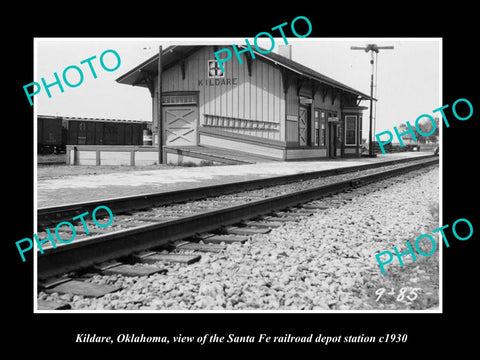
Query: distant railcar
column 54, row 132
column 51, row 136
column 104, row 132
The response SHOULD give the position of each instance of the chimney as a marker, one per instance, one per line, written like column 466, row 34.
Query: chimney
column 285, row 51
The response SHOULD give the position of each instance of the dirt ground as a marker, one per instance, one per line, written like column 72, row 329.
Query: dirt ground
column 51, row 167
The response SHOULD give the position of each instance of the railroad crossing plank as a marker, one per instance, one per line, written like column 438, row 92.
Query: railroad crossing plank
column 52, row 305
column 178, row 258
column 247, row 230
column 134, row 270
column 201, row 247
column 227, row 239
column 83, row 288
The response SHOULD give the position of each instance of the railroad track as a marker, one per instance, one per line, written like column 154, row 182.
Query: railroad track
column 119, row 251
column 53, row 215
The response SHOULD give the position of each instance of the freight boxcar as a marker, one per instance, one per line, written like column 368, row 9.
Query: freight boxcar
column 55, row 132
column 104, row 131
column 51, row 135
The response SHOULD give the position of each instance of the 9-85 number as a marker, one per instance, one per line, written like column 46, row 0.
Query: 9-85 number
column 401, row 295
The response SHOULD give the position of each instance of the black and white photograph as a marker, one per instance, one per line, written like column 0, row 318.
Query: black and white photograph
column 252, row 188
column 262, row 182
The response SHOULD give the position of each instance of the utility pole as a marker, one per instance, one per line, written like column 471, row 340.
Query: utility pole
column 159, row 107
column 372, row 48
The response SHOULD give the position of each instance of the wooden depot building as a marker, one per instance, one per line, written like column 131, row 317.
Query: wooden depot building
column 268, row 107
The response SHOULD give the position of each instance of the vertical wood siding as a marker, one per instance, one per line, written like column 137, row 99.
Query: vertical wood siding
column 258, row 97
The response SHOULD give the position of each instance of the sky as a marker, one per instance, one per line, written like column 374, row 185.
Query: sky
column 408, row 77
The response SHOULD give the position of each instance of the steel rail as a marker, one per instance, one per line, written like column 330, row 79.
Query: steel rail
column 138, row 202
column 83, row 253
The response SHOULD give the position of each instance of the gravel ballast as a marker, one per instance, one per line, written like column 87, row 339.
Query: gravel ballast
column 323, row 262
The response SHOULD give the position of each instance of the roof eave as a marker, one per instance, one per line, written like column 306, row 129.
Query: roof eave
column 335, row 84
column 123, row 79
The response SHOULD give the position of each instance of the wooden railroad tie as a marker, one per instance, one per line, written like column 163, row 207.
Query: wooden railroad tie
column 284, row 218
column 200, row 247
column 247, row 230
column 52, row 305
column 263, row 224
column 224, row 238
column 114, row 267
column 83, row 288
column 303, row 211
column 291, row 214
column 314, row 207
column 153, row 257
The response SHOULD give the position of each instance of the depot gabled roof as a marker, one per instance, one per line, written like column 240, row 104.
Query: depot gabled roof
column 173, row 53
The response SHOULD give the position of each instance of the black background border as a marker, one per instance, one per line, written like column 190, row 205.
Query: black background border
column 426, row 332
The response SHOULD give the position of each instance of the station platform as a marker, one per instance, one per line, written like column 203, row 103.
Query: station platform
column 79, row 188
column 213, row 155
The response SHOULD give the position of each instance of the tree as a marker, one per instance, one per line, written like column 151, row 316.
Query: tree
column 425, row 127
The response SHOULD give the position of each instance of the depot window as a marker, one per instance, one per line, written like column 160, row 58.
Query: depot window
column 350, row 130
column 320, row 127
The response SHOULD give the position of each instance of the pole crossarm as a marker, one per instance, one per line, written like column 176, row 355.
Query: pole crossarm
column 373, row 48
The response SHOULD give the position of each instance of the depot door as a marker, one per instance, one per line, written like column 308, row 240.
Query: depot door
column 304, row 126
column 180, row 125
column 332, row 139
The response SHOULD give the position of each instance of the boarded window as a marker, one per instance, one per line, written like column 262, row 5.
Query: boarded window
column 350, row 130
